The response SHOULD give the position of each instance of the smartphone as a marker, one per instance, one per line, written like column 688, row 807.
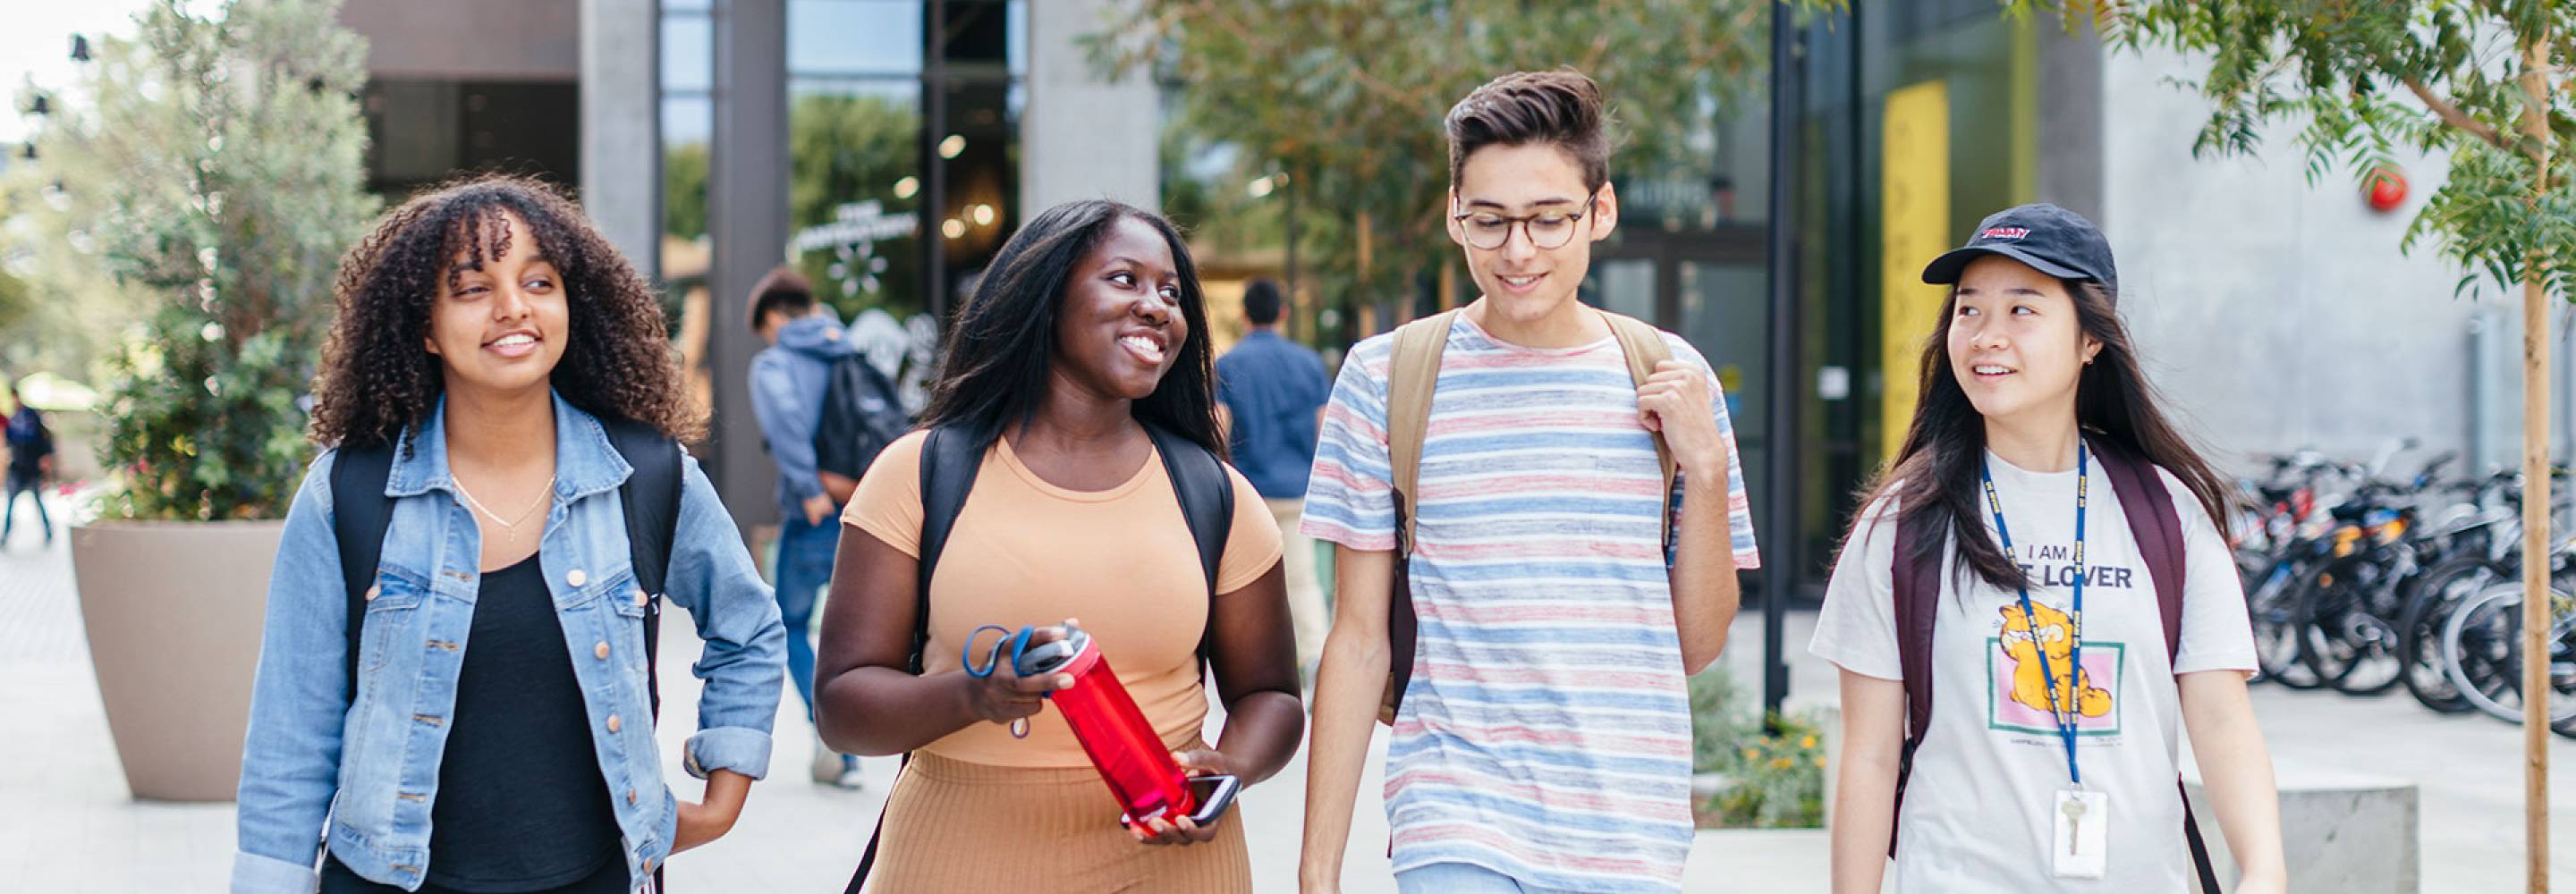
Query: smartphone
column 1214, row 793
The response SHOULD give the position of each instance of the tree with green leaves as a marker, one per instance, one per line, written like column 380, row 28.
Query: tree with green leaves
column 2486, row 84
column 1361, row 142
column 220, row 171
column 57, row 314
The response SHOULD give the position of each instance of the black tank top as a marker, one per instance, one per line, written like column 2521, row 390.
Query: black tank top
column 521, row 805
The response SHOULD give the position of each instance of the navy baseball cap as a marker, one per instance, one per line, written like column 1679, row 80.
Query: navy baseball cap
column 2050, row 239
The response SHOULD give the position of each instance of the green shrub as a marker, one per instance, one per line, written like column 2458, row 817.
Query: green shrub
column 1774, row 779
column 219, row 164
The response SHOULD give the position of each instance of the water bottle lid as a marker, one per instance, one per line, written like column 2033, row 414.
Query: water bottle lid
column 1050, row 657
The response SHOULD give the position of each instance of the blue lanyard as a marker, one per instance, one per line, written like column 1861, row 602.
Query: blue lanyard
column 2066, row 716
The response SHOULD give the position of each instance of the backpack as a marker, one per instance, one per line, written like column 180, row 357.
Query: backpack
column 1412, row 372
column 950, row 459
column 861, row 415
column 2158, row 529
column 651, row 496
column 28, row 436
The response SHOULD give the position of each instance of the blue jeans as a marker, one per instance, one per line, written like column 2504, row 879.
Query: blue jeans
column 1461, row 878
column 804, row 568
column 32, row 485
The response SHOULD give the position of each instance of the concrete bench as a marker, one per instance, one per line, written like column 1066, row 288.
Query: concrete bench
column 2351, row 833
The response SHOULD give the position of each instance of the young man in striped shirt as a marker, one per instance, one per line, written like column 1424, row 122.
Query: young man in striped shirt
column 1543, row 742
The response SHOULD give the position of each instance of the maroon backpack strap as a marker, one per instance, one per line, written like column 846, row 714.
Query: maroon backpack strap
column 2158, row 529
column 1917, row 577
column 2156, row 525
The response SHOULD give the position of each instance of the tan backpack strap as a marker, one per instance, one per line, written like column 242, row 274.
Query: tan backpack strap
column 1412, row 369
column 1644, row 346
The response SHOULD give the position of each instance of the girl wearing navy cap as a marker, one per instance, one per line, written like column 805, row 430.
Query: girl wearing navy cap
column 2037, row 602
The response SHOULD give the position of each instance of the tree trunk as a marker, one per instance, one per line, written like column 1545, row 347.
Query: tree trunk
column 2535, row 577
column 2535, row 482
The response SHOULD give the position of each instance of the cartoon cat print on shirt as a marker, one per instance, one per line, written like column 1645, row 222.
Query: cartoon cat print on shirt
column 2051, row 636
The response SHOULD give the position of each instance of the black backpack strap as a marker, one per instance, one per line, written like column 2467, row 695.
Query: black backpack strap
column 360, row 513
column 950, row 458
column 1917, row 579
column 1207, row 504
column 651, row 498
column 868, row 861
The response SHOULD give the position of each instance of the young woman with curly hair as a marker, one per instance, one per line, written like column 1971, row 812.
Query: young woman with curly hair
column 493, row 731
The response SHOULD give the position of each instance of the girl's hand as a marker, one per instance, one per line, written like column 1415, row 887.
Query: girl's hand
column 1182, row 830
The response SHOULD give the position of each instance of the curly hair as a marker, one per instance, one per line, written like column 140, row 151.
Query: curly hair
column 378, row 379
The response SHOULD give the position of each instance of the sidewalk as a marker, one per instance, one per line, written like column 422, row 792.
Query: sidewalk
column 69, row 825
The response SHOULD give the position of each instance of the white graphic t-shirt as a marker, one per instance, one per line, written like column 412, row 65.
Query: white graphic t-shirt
column 1978, row 810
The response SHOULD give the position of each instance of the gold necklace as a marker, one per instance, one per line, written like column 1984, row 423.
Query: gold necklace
column 508, row 527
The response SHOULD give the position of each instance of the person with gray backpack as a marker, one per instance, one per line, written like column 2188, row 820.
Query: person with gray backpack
column 824, row 413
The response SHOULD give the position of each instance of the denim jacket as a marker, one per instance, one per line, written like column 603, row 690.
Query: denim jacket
column 369, row 765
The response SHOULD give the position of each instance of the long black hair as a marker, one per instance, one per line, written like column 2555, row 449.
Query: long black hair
column 993, row 371
column 1934, row 476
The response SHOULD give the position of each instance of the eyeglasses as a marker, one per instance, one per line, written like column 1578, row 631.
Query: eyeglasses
column 1546, row 229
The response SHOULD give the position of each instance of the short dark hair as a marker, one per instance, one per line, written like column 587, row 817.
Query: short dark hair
column 1261, row 302
column 1562, row 108
column 783, row 289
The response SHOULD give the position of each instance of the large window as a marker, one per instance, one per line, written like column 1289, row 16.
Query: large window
column 903, row 123
column 688, row 127
column 1916, row 119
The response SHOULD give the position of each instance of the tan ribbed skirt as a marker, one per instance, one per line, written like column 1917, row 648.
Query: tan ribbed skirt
column 953, row 826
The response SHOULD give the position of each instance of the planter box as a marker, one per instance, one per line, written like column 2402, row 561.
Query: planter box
column 174, row 612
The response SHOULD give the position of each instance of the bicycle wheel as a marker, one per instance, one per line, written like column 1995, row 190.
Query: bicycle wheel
column 2343, row 635
column 2482, row 651
column 2271, row 604
column 2437, row 594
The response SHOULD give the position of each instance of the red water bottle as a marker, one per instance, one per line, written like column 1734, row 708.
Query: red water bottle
column 1122, row 744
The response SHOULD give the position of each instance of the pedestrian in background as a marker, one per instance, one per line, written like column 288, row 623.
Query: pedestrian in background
column 788, row 381
column 1270, row 400
column 31, row 462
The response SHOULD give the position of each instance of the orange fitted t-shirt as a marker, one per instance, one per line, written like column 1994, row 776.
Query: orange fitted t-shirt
column 1025, row 552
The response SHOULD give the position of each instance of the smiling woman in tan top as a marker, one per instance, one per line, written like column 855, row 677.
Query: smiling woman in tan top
column 1089, row 327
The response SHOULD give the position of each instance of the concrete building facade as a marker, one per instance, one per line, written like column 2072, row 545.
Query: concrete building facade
column 887, row 147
